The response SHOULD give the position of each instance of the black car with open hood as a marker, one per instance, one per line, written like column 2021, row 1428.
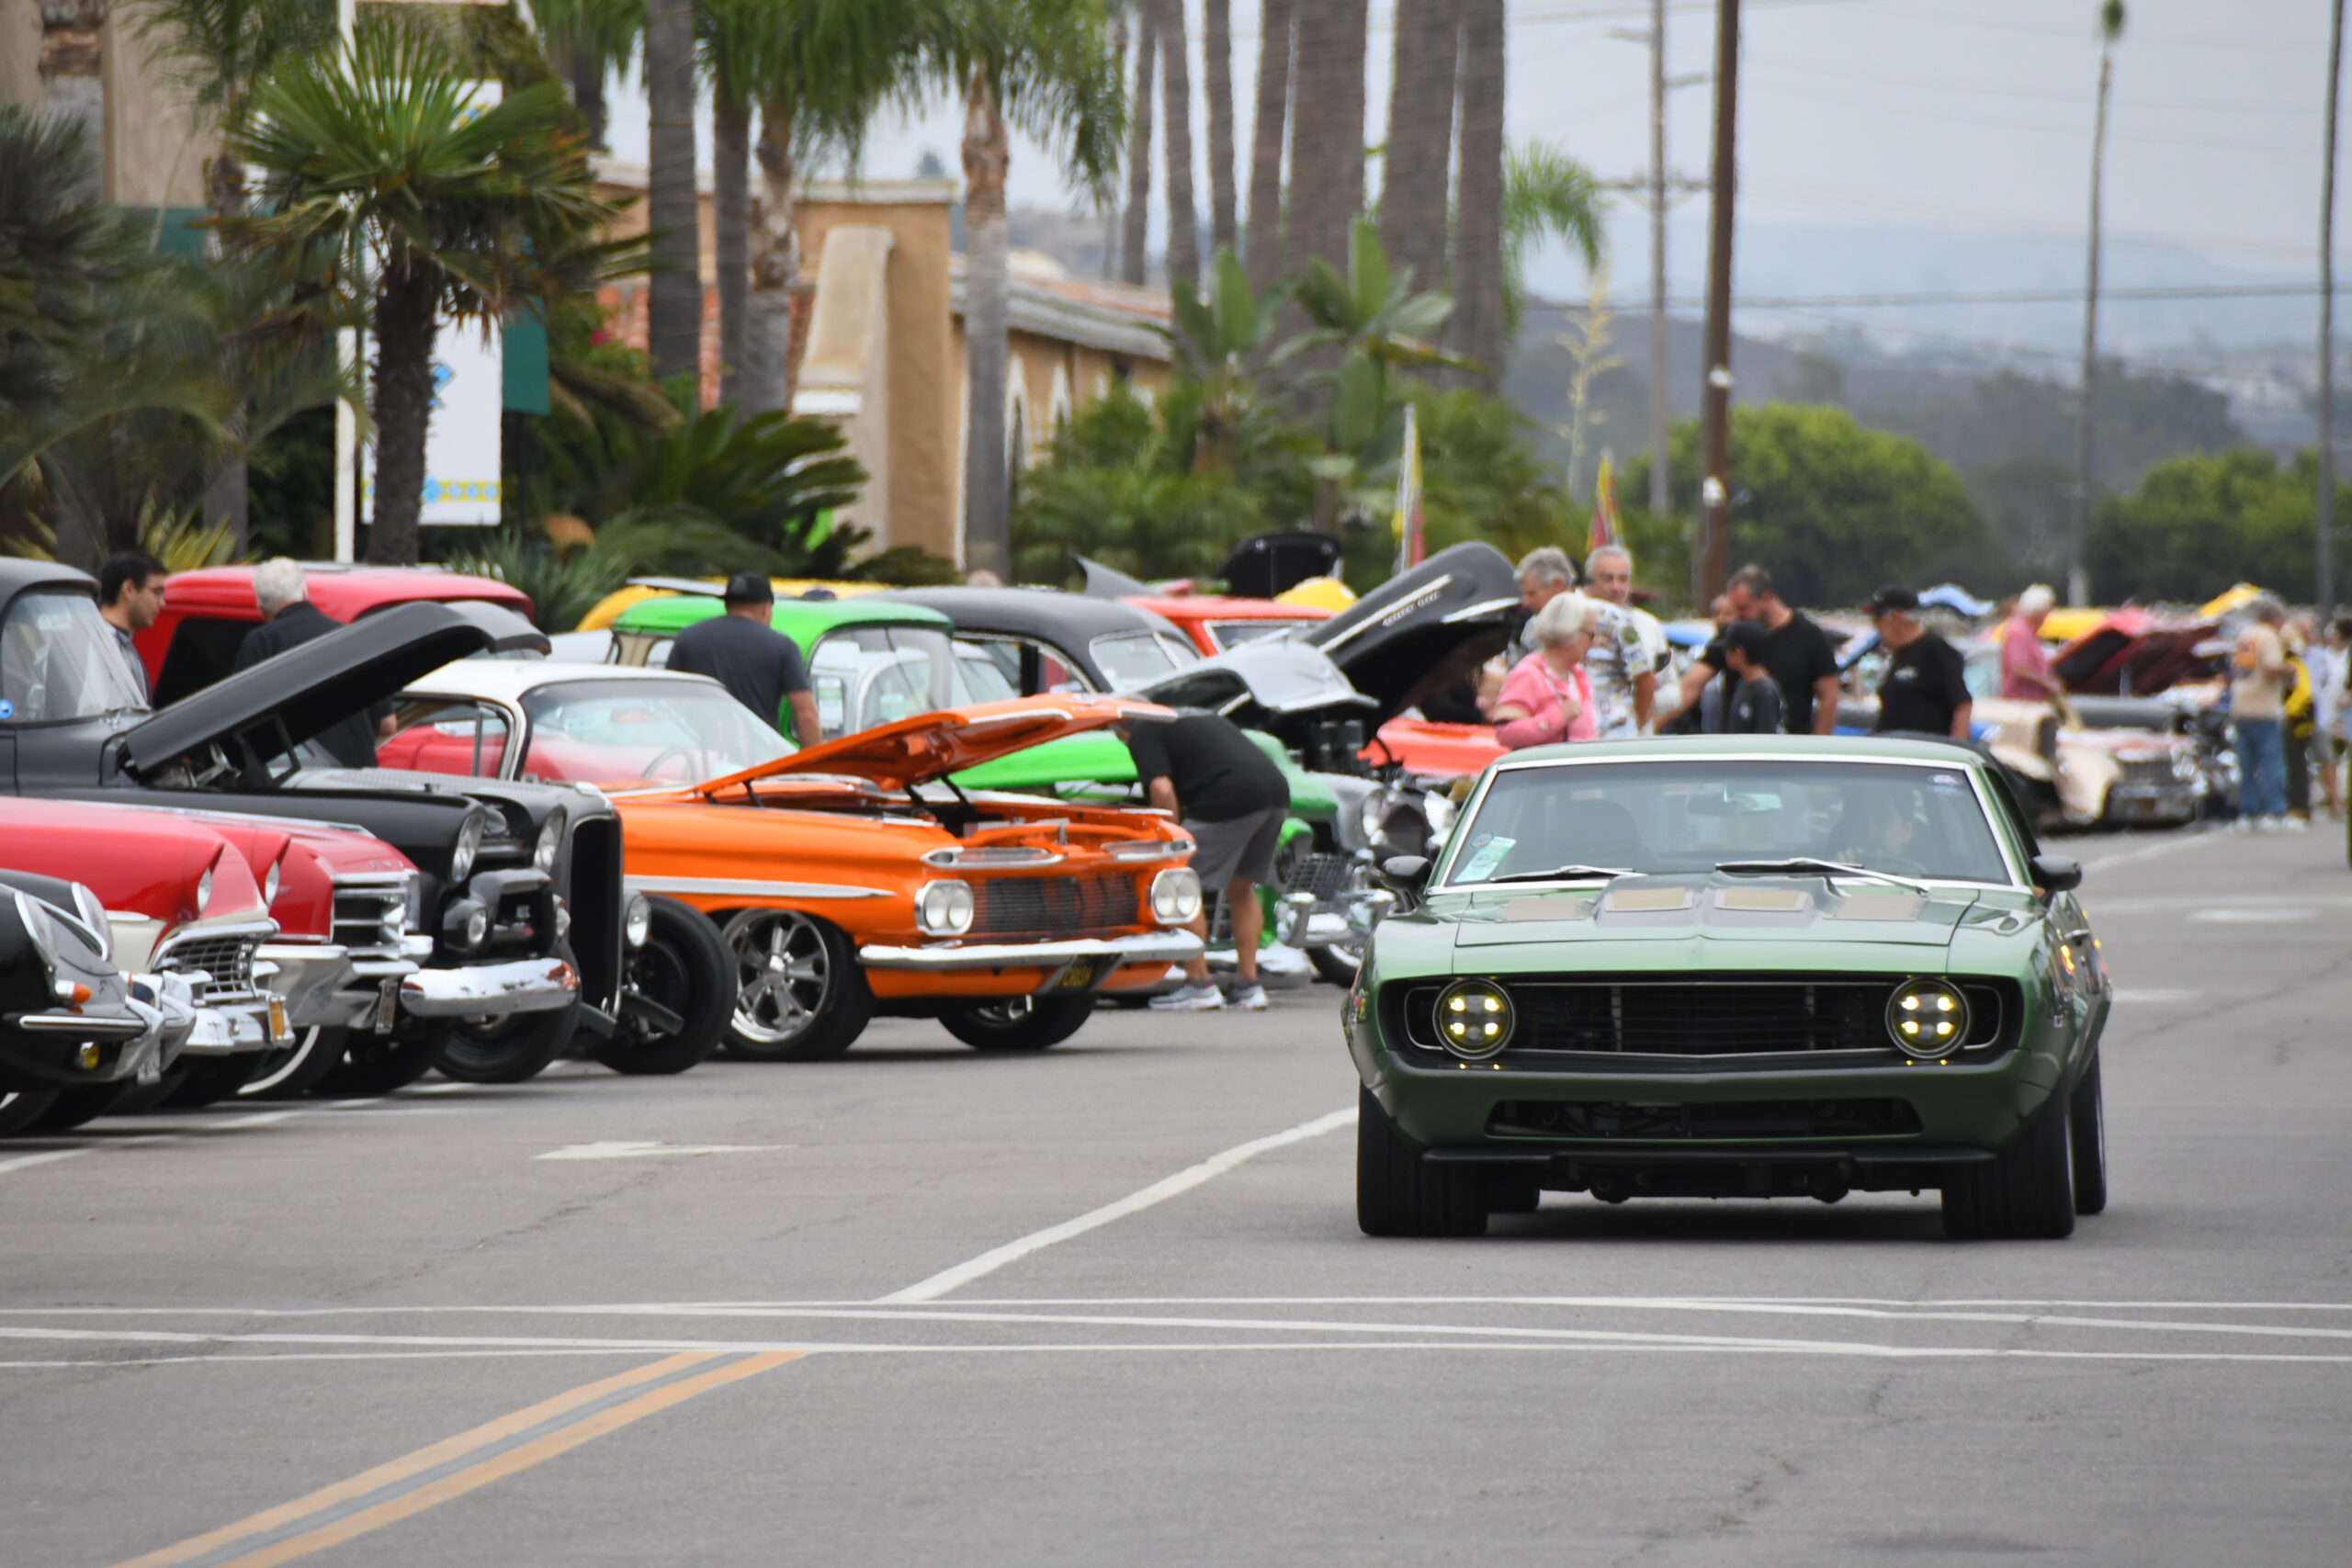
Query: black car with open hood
column 523, row 906
column 1425, row 629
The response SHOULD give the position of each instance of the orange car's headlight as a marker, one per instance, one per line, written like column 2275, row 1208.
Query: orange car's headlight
column 946, row 908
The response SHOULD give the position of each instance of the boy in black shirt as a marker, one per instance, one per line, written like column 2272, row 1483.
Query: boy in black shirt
column 1924, row 690
column 1755, row 708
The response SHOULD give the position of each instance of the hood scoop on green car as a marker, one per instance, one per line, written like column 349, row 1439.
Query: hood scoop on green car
column 1680, row 908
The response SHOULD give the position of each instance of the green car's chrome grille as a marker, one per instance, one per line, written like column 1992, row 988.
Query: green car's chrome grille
column 1052, row 906
column 1737, row 1016
column 1648, row 1123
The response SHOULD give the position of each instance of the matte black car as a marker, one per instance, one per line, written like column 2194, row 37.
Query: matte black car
column 1046, row 641
column 68, row 1017
column 522, row 901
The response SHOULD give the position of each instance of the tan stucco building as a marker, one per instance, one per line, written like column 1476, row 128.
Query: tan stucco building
column 880, row 345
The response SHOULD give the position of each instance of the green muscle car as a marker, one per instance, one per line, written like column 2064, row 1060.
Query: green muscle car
column 1733, row 967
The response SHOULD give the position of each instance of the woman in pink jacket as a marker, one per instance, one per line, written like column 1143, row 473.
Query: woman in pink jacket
column 1547, row 696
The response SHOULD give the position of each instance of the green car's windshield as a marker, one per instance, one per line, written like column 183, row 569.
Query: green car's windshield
column 1693, row 814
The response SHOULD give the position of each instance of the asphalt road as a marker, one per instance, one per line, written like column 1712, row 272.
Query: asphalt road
column 1110, row 1306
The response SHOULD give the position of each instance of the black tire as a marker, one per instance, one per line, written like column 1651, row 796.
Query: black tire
column 684, row 966
column 211, row 1079
column 73, row 1106
column 799, row 994
column 513, row 1049
column 2087, row 1135
column 376, row 1065
column 2028, row 1194
column 1022, row 1023
column 1398, row 1194
column 294, row 1072
column 1336, row 964
column 138, row 1099
column 21, row 1109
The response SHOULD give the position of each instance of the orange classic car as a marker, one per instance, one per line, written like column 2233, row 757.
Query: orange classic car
column 852, row 878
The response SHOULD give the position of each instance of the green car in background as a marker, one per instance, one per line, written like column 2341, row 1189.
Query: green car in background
column 1722, row 967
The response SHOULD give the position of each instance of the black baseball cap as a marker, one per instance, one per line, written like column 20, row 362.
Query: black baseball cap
column 749, row 588
column 1893, row 597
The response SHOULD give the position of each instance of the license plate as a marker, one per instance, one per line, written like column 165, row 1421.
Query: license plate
column 278, row 1030
column 388, row 1005
column 1080, row 975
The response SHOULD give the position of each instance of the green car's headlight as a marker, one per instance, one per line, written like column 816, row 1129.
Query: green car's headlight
column 1929, row 1019
column 1474, row 1019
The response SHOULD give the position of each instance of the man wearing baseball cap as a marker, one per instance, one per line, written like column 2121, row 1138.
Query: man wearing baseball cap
column 758, row 665
column 1924, row 690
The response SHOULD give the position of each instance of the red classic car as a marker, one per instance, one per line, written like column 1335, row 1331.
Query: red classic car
column 180, row 897
column 207, row 613
column 1215, row 622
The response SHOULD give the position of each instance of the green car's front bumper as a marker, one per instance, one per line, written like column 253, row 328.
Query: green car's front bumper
column 1719, row 1126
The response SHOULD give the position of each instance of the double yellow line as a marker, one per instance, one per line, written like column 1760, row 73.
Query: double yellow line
column 450, row 1469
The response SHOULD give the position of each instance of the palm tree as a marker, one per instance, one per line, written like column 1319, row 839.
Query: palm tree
column 735, row 37
column 2078, row 576
column 377, row 156
column 1477, row 275
column 1216, row 55
column 589, row 40
column 2324, row 536
column 1263, row 248
column 1176, row 107
column 1416, row 169
column 217, row 52
column 1326, row 141
column 1134, row 229
column 1043, row 65
column 673, row 300
column 1546, row 195
column 828, row 65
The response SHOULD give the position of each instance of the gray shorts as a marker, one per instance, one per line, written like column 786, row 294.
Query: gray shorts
column 1243, row 847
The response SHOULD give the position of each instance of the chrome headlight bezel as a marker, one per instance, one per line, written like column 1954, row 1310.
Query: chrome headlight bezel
column 637, row 925
column 945, row 907
column 1176, row 896
column 468, row 849
column 1474, row 1019
column 271, row 882
column 1927, row 1019
column 548, row 845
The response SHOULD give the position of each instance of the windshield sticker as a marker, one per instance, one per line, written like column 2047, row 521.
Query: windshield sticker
column 1948, row 782
column 1487, row 852
column 7, row 708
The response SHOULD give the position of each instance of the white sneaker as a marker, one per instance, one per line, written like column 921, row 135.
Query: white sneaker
column 1191, row 998
column 2295, row 824
column 2266, row 824
column 1249, row 999
column 2241, row 824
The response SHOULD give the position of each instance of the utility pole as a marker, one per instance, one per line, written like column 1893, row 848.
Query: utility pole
column 1657, row 190
column 1710, row 562
column 2078, row 556
column 2324, row 538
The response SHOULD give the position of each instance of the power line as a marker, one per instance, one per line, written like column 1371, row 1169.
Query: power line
column 1983, row 297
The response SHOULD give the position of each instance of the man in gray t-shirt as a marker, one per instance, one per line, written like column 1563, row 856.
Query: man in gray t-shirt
column 760, row 666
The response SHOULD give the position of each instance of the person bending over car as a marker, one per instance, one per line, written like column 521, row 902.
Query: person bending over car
column 1231, row 799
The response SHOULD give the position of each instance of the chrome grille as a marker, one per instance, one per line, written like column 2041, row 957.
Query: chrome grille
column 228, row 961
column 359, row 912
column 2155, row 771
column 1052, row 906
column 1324, row 875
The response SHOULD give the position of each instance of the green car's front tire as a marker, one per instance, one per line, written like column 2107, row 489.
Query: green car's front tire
column 2028, row 1194
column 1398, row 1194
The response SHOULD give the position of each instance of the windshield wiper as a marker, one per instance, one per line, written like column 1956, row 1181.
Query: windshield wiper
column 1804, row 865
column 1565, row 873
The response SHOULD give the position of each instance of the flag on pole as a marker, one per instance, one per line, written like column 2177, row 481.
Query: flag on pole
column 1604, row 529
column 1408, row 526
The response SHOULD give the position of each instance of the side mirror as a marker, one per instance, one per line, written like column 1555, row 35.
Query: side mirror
column 2057, row 873
column 1408, row 874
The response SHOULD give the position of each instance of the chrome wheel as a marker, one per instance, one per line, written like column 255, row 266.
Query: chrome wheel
column 784, row 975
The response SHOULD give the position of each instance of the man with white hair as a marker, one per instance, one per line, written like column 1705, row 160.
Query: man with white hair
column 1543, row 575
column 1626, row 656
column 289, row 620
column 2026, row 675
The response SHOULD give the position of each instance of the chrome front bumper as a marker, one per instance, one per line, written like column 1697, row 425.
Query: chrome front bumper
column 330, row 986
column 491, row 991
column 939, row 957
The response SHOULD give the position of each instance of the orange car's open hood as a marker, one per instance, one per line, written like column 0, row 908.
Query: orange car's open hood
column 931, row 745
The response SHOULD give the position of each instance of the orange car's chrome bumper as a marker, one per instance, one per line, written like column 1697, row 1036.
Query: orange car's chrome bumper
column 941, row 957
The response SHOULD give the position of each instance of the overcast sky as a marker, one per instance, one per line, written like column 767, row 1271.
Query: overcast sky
column 1967, row 117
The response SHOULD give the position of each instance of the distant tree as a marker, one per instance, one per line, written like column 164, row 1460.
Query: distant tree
column 1480, row 329
column 1262, row 247
column 1831, row 509
column 1546, row 195
column 1176, row 110
column 2198, row 524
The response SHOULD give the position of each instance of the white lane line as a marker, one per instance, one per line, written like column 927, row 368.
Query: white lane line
column 26, row 1162
column 2281, row 916
column 633, row 1150
column 2150, row 996
column 2171, row 846
column 1557, row 1340
column 1160, row 1192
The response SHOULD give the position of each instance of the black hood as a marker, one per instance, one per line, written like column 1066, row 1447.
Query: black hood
column 1425, row 629
column 327, row 679
column 1262, row 684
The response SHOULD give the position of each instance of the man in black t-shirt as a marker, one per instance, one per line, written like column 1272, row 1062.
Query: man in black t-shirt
column 1232, row 799
column 759, row 666
column 1796, row 654
column 289, row 620
column 1925, row 690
